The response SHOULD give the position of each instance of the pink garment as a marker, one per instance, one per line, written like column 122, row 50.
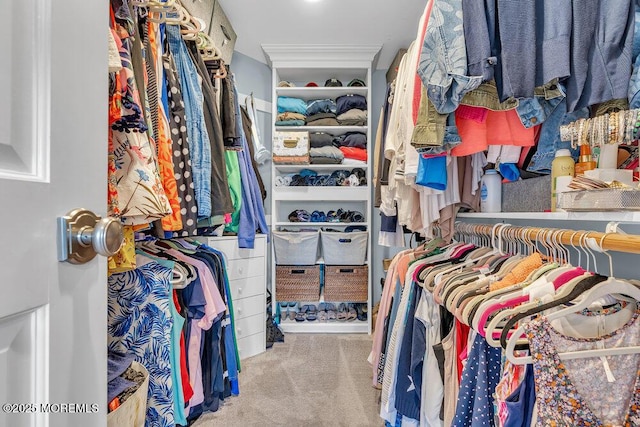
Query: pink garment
column 383, row 312
column 214, row 307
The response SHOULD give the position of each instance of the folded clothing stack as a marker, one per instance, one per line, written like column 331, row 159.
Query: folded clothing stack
column 316, row 106
column 353, row 117
column 328, row 155
column 308, row 178
column 320, row 139
column 301, row 215
column 290, row 119
column 291, row 111
column 353, row 145
column 322, row 119
column 348, row 102
column 351, row 139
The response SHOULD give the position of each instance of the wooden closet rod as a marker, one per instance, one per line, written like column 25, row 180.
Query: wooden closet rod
column 629, row 243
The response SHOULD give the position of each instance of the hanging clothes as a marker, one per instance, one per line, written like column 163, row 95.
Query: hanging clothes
column 220, row 197
column 199, row 142
column 451, row 288
column 141, row 198
column 578, row 392
column 140, row 323
column 180, row 147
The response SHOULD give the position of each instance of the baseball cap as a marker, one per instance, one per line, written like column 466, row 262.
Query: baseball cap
column 332, row 83
column 311, row 84
column 356, row 82
column 285, row 83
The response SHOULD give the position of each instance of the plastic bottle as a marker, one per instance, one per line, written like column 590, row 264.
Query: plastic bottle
column 586, row 162
column 491, row 192
column 562, row 166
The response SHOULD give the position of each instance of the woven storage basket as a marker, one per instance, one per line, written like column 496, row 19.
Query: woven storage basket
column 347, row 283
column 297, row 283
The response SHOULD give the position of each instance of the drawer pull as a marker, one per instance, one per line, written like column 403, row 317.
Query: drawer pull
column 239, row 290
column 240, row 270
column 239, row 331
column 347, row 270
column 298, row 271
column 239, row 310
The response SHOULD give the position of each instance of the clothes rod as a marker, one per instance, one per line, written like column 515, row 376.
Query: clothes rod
column 618, row 242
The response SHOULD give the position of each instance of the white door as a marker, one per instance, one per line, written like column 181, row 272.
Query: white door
column 53, row 144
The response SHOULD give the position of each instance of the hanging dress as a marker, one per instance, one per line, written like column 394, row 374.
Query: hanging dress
column 579, row 392
column 140, row 196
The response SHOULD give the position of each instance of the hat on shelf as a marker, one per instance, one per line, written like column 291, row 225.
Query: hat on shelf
column 333, row 83
column 285, row 83
column 311, row 84
column 357, row 82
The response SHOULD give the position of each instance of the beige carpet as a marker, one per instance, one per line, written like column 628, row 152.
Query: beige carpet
column 309, row 380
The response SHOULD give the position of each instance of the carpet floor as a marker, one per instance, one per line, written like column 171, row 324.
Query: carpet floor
column 309, row 380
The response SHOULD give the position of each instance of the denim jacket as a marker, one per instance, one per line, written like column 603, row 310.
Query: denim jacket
column 443, row 58
column 601, row 49
column 550, row 141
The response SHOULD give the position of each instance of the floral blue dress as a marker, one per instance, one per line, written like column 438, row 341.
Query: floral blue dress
column 140, row 324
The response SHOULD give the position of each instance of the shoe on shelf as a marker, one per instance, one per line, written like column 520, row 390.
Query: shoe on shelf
column 331, row 312
column 312, row 313
column 292, row 310
column 342, row 312
column 301, row 314
column 283, row 311
column 352, row 314
column 361, row 309
column 322, row 312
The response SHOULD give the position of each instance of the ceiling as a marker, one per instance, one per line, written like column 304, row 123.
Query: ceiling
column 392, row 24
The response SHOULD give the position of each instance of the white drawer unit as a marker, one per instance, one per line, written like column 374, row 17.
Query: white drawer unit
column 247, row 287
column 247, row 272
column 246, row 307
column 251, row 345
column 248, row 326
column 243, row 268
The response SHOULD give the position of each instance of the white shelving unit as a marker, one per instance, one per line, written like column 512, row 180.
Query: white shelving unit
column 300, row 65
